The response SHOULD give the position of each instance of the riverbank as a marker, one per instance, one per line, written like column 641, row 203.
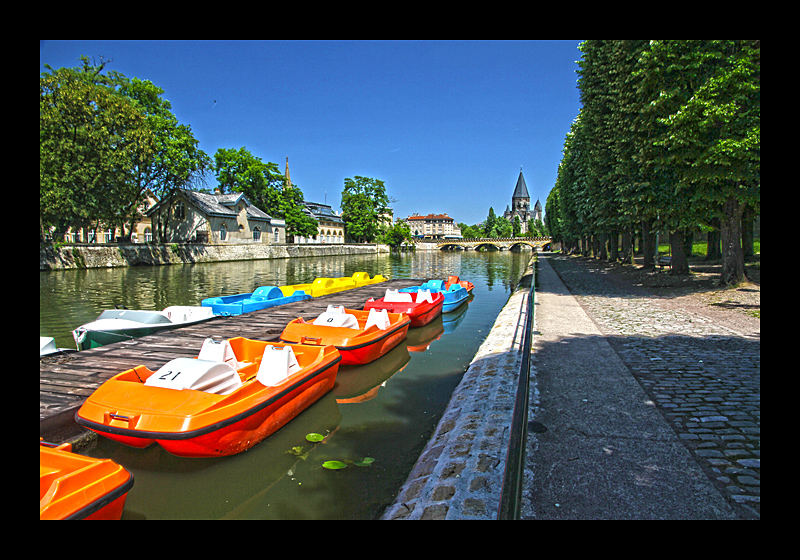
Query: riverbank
column 111, row 255
column 460, row 473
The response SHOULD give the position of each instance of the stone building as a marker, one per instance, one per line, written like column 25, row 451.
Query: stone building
column 436, row 226
column 215, row 218
column 521, row 206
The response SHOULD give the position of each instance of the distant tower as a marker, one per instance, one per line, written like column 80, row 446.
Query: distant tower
column 520, row 204
column 288, row 180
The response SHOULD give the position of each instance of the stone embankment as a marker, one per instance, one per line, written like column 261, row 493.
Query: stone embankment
column 108, row 255
column 460, row 473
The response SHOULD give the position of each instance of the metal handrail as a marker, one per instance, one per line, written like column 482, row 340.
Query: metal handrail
column 510, row 499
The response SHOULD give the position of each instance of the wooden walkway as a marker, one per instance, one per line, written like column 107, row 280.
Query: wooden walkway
column 65, row 381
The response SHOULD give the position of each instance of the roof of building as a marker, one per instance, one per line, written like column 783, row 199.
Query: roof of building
column 223, row 205
column 521, row 190
column 430, row 217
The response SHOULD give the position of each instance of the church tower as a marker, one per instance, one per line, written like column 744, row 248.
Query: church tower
column 520, row 204
column 288, row 180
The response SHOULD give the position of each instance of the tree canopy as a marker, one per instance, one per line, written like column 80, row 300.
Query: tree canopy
column 668, row 137
column 365, row 205
column 104, row 140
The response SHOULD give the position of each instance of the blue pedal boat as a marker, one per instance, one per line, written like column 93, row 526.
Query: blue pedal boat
column 262, row 298
column 454, row 296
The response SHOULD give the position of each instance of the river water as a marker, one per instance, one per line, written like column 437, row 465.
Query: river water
column 384, row 412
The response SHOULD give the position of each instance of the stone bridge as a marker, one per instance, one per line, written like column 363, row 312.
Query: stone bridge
column 501, row 243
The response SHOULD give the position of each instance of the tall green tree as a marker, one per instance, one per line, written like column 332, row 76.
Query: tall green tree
column 91, row 140
column 364, row 206
column 265, row 186
column 712, row 139
column 176, row 162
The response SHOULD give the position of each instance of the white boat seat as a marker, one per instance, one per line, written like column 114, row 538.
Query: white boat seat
column 218, row 378
column 424, row 295
column 393, row 296
column 219, row 351
column 335, row 316
column 379, row 318
column 277, row 364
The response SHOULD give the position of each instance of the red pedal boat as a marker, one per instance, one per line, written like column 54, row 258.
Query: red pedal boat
column 422, row 307
column 359, row 336
column 236, row 393
column 76, row 487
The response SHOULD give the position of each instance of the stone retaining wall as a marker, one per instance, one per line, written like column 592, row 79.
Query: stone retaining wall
column 460, row 473
column 115, row 255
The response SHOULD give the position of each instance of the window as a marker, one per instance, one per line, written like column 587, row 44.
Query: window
column 256, row 234
column 277, row 235
column 223, row 232
column 180, row 211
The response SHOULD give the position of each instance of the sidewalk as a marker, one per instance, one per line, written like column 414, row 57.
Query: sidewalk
column 598, row 447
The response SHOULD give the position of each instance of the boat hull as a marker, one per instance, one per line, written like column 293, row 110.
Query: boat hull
column 454, row 297
column 356, row 346
column 121, row 325
column 420, row 314
column 77, row 487
column 191, row 423
column 263, row 298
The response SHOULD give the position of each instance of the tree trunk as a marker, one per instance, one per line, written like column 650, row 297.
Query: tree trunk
column 713, row 253
column 680, row 260
column 648, row 245
column 731, row 232
column 613, row 245
column 748, row 218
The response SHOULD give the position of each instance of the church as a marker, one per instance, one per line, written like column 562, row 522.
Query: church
column 521, row 206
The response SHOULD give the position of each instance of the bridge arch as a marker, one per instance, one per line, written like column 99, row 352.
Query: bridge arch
column 501, row 243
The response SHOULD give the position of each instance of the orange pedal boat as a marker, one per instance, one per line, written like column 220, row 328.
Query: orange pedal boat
column 236, row 393
column 456, row 280
column 422, row 307
column 360, row 336
column 76, row 487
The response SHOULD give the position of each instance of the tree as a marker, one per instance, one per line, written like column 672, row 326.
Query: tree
column 176, row 161
column 365, row 205
column 91, row 140
column 397, row 234
column 488, row 225
column 265, row 187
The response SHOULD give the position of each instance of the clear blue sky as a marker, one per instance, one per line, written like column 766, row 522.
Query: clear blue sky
column 445, row 124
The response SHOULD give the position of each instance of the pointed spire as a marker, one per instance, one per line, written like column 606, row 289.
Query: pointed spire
column 288, row 180
column 521, row 190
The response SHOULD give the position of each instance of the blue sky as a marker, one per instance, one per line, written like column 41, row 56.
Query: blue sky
column 445, row 124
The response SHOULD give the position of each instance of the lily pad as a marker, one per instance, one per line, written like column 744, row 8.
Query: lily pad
column 364, row 462
column 334, row 465
column 314, row 437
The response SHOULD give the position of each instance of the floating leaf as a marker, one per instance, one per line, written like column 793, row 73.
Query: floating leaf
column 364, row 462
column 334, row 465
column 314, row 437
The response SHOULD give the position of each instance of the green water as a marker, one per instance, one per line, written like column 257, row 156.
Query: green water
column 386, row 410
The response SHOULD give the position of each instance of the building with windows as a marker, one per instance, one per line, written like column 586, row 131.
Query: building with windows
column 433, row 226
column 197, row 217
column 331, row 225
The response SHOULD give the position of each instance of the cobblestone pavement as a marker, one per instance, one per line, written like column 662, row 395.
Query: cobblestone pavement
column 699, row 364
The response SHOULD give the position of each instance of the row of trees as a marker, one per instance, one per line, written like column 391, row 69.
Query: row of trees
column 500, row 227
column 105, row 140
column 668, row 138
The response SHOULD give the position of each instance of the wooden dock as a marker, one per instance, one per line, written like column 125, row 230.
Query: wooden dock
column 66, row 380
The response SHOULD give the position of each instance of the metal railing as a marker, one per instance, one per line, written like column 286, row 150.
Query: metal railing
column 511, row 497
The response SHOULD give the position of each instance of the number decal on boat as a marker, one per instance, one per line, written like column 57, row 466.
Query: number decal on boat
column 167, row 373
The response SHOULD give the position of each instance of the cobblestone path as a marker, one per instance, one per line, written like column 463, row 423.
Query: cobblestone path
column 703, row 376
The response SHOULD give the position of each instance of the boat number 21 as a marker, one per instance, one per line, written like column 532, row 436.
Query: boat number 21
column 166, row 375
